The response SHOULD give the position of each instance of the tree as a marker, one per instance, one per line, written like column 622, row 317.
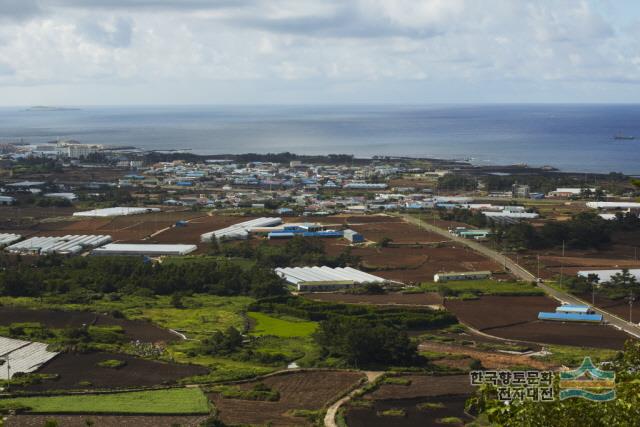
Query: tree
column 176, row 301
column 385, row 242
column 624, row 280
column 223, row 343
column 360, row 342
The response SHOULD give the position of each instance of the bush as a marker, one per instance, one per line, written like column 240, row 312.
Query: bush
column 392, row 413
column 112, row 363
column 427, row 406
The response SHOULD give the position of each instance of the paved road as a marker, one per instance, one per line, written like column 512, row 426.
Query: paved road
column 523, row 274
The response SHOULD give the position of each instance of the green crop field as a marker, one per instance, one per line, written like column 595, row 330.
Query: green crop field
column 171, row 401
column 483, row 287
column 268, row 325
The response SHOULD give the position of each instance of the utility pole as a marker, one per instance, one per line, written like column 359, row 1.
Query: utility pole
column 538, row 257
column 631, row 306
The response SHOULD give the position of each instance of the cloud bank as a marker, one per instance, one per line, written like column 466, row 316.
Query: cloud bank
column 303, row 51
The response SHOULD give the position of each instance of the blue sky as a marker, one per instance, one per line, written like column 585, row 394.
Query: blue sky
column 76, row 52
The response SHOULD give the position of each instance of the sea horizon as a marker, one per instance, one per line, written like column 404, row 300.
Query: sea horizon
column 572, row 137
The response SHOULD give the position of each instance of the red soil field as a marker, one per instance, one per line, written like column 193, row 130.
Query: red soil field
column 398, row 232
column 451, row 390
column 75, row 368
column 413, row 417
column 575, row 334
column 105, row 420
column 422, row 263
column 196, row 227
column 618, row 307
column 515, row 318
column 424, row 385
column 489, row 359
column 430, row 298
column 298, row 390
column 133, row 329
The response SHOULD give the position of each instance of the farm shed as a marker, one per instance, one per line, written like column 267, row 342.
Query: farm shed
column 9, row 238
column 64, row 245
column 613, row 205
column 567, row 308
column 353, row 236
column 326, row 278
column 143, row 249
column 572, row 313
column 119, row 211
column 7, row 200
column 240, row 230
column 466, row 275
column 23, row 356
column 511, row 215
column 570, row 317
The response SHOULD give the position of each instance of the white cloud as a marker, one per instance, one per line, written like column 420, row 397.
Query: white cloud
column 327, row 46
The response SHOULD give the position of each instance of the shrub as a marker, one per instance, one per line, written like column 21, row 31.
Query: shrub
column 392, row 413
column 112, row 363
column 427, row 406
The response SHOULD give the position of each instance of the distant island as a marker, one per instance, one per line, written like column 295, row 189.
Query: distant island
column 49, row 108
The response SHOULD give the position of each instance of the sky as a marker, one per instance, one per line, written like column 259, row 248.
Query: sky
column 144, row 52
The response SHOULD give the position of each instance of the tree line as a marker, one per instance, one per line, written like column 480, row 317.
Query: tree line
column 216, row 276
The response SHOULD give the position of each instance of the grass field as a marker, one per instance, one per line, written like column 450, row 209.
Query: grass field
column 172, row 401
column 573, row 356
column 268, row 325
column 202, row 314
column 285, row 338
column 483, row 287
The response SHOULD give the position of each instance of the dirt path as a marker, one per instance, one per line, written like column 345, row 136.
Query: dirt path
column 489, row 359
column 330, row 417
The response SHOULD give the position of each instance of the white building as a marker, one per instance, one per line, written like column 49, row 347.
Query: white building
column 327, row 278
column 74, row 150
column 151, row 250
column 468, row 275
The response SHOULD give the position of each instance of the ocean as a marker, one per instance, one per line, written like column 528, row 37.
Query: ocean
column 573, row 138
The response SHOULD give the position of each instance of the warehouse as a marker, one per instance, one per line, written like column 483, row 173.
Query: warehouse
column 241, row 230
column 65, row 196
column 613, row 205
column 7, row 200
column 605, row 275
column 150, row 250
column 290, row 226
column 353, row 236
column 467, row 275
column 303, row 230
column 511, row 215
column 291, row 234
column 468, row 233
column 23, row 356
column 572, row 313
column 8, row 238
column 120, row 211
column 64, row 245
column 326, row 278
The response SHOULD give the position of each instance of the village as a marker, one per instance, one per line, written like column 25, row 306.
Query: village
column 129, row 270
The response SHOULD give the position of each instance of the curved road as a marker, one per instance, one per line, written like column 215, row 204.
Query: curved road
column 523, row 274
column 330, row 416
